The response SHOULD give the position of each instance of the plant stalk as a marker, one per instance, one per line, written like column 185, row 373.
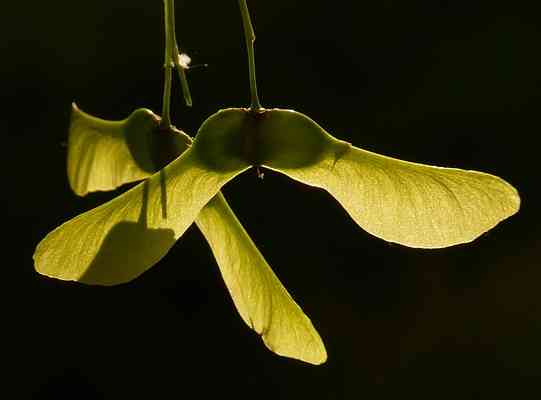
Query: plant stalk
column 167, row 67
column 249, row 37
column 172, row 61
column 182, row 75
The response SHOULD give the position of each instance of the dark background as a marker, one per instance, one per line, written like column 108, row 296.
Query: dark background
column 427, row 81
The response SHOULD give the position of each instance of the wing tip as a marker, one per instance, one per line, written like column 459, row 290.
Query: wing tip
column 316, row 357
column 311, row 352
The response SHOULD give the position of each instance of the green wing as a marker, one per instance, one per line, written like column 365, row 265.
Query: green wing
column 403, row 202
column 103, row 155
column 119, row 240
column 261, row 300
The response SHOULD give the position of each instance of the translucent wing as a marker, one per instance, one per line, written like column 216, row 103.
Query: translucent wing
column 103, row 155
column 261, row 300
column 403, row 202
column 119, row 240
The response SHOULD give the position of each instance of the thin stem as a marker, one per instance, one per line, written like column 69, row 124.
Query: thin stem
column 249, row 36
column 172, row 61
column 166, row 106
column 175, row 54
column 182, row 76
column 167, row 67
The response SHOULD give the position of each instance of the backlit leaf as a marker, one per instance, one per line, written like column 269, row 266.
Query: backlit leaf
column 411, row 204
column 262, row 301
column 103, row 155
column 119, row 240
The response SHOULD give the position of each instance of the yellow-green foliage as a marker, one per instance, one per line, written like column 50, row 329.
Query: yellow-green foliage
column 78, row 250
column 412, row 204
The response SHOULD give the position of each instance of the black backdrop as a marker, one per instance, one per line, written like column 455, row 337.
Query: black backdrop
column 426, row 81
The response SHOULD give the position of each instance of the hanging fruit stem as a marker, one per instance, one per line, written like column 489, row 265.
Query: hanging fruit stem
column 249, row 36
